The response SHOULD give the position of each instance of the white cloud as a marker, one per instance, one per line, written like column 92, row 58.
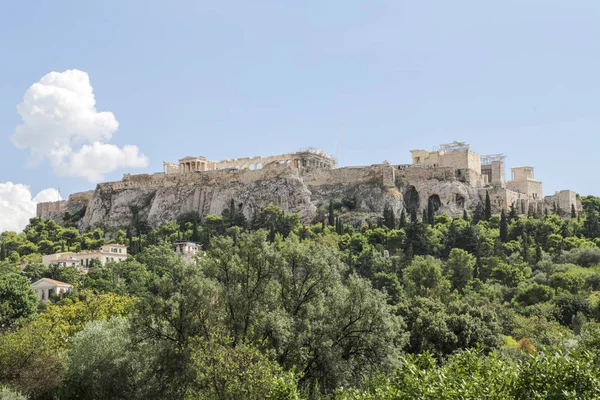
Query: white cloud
column 61, row 124
column 17, row 205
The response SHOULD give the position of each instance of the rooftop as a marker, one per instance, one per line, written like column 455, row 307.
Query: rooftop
column 48, row 280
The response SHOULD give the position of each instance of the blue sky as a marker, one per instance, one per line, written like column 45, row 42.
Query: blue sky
column 233, row 78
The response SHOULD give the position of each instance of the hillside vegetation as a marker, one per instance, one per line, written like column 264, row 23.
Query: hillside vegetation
column 407, row 306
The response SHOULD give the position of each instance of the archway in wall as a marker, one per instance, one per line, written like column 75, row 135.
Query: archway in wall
column 435, row 201
column 411, row 198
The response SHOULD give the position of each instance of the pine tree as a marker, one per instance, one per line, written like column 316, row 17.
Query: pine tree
column 331, row 217
column 573, row 211
column 503, row 227
column 488, row 206
column 402, row 219
column 430, row 213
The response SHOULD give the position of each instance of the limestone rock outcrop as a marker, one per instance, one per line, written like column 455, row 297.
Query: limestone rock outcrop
column 160, row 197
column 308, row 191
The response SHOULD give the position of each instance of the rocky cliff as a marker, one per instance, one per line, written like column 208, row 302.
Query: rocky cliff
column 307, row 191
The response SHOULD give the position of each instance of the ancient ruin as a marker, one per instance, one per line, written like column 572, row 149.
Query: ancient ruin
column 453, row 177
column 306, row 158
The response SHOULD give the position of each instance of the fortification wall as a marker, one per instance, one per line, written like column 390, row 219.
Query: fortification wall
column 532, row 189
column 346, row 175
column 82, row 196
column 411, row 174
column 563, row 200
column 52, row 210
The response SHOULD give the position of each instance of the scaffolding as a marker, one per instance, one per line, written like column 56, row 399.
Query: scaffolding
column 454, row 146
column 490, row 158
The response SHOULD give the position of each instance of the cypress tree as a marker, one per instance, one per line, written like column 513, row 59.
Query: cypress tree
column 465, row 215
column 430, row 213
column 591, row 225
column 525, row 240
column 573, row 211
column 231, row 212
column 488, row 206
column 503, row 227
column 512, row 213
column 424, row 218
column 389, row 217
column 413, row 215
column 331, row 214
column 402, row 219
column 479, row 213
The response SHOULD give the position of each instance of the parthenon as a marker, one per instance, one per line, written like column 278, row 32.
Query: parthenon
column 306, row 158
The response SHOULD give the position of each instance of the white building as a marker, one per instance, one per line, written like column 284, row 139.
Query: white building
column 188, row 250
column 107, row 253
column 47, row 287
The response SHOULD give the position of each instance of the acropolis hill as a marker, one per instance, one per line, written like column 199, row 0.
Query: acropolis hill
column 453, row 177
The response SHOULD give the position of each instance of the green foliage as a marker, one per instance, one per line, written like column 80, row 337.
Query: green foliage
column 533, row 294
column 441, row 328
column 103, row 363
column 469, row 376
column 495, row 307
column 8, row 394
column 586, row 257
column 224, row 371
column 424, row 278
column 18, row 302
column 459, row 268
column 274, row 220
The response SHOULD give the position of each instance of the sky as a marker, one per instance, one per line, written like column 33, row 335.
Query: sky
column 92, row 90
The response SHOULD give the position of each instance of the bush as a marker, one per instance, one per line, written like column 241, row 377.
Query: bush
column 585, row 257
column 533, row 294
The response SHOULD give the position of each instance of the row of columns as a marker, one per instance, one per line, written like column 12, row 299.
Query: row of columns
column 191, row 166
